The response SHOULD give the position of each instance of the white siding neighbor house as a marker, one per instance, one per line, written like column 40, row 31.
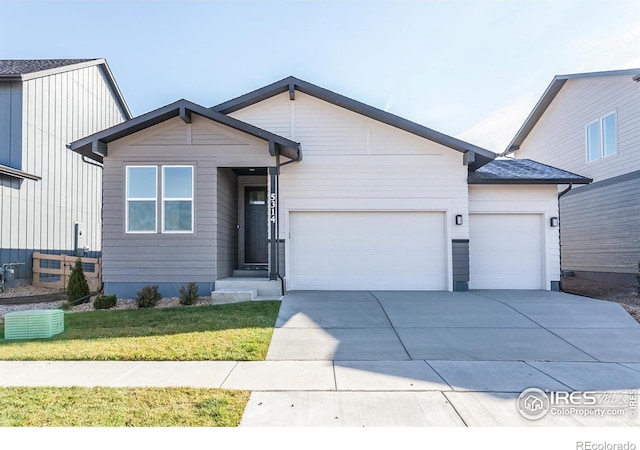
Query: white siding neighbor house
column 47, row 193
column 589, row 123
column 295, row 187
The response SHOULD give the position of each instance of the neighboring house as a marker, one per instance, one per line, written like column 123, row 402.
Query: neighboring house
column 45, row 190
column 589, row 123
column 377, row 202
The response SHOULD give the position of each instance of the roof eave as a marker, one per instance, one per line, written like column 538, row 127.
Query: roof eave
column 18, row 174
column 537, row 181
column 84, row 146
column 292, row 83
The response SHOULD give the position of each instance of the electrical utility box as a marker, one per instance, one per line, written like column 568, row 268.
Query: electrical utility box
column 80, row 238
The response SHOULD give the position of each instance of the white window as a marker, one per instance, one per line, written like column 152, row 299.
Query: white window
column 176, row 198
column 142, row 191
column 601, row 137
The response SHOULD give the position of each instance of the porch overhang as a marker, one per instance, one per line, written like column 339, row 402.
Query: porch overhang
column 95, row 146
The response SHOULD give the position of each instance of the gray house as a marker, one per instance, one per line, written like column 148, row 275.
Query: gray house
column 294, row 187
column 589, row 123
column 50, row 198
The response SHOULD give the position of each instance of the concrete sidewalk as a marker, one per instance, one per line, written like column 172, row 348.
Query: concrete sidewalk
column 359, row 393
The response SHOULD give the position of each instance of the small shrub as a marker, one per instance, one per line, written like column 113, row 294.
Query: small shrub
column 77, row 287
column 66, row 305
column 189, row 295
column 148, row 296
column 105, row 302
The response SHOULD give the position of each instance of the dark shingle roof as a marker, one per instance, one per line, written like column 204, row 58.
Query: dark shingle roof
column 22, row 66
column 523, row 171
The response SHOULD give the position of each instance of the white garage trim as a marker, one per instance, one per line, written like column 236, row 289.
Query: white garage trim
column 507, row 251
column 413, row 221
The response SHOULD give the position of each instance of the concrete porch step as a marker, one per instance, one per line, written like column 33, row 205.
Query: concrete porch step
column 262, row 285
column 250, row 273
column 221, row 296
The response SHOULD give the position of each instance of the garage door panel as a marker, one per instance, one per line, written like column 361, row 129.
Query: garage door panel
column 506, row 251
column 367, row 250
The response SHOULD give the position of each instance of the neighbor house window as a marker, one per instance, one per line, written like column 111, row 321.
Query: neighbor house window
column 142, row 191
column 176, row 199
column 602, row 137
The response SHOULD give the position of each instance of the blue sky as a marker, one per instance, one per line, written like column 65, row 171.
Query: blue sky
column 471, row 69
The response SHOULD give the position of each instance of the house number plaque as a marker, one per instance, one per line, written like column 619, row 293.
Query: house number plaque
column 272, row 208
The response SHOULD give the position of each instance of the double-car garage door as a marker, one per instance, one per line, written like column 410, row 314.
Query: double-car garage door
column 407, row 250
column 353, row 250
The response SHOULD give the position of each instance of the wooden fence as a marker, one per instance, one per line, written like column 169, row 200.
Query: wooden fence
column 54, row 270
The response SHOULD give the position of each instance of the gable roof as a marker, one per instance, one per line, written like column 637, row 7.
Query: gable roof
column 549, row 94
column 94, row 146
column 478, row 156
column 523, row 171
column 28, row 69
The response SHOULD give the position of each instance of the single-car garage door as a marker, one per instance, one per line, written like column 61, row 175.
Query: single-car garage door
column 506, row 251
column 367, row 250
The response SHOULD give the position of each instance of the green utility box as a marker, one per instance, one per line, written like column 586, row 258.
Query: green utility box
column 42, row 323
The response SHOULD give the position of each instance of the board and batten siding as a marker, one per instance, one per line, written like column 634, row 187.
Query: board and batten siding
column 559, row 137
column 131, row 261
column 599, row 228
column 526, row 199
column 40, row 215
column 354, row 163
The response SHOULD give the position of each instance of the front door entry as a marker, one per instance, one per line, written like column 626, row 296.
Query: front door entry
column 255, row 225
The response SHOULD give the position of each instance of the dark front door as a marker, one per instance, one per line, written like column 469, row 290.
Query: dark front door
column 255, row 225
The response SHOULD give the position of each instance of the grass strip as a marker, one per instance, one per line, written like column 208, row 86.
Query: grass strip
column 120, row 407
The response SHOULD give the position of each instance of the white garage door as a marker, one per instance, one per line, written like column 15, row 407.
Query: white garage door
column 506, row 251
column 367, row 250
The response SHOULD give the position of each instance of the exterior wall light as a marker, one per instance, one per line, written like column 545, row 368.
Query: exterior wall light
column 458, row 219
column 553, row 221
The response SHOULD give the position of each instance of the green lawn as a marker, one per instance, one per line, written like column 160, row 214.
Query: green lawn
column 121, row 407
column 238, row 332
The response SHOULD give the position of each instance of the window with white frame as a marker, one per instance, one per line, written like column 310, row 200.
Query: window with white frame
column 601, row 137
column 176, row 199
column 142, row 205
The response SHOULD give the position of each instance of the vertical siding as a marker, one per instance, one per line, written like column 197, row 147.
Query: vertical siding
column 558, row 138
column 599, row 227
column 227, row 232
column 58, row 109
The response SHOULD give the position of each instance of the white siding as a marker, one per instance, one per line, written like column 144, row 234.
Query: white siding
column 558, row 138
column 510, row 199
column 57, row 110
column 352, row 162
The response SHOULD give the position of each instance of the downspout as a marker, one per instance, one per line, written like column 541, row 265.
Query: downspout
column 560, row 234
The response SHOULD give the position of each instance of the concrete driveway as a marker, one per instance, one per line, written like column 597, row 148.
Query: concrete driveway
column 384, row 358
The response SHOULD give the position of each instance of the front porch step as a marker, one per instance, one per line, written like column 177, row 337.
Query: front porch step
column 251, row 273
column 221, row 296
column 264, row 287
